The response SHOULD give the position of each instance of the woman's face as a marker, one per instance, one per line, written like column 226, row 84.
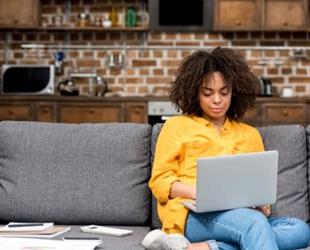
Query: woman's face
column 215, row 98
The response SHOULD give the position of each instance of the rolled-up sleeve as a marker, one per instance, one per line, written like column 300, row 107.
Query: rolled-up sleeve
column 166, row 164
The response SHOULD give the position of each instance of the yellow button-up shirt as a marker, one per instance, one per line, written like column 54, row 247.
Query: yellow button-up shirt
column 181, row 141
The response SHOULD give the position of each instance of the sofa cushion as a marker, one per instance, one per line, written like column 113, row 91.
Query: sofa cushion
column 155, row 132
column 292, row 193
column 75, row 174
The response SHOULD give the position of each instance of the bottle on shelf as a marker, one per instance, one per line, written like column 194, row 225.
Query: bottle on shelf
column 114, row 17
column 131, row 17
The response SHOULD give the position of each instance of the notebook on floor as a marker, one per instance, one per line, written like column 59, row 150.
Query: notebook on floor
column 234, row 181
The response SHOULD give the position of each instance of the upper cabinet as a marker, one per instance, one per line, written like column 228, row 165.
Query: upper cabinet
column 236, row 15
column 284, row 14
column 251, row 15
column 19, row 14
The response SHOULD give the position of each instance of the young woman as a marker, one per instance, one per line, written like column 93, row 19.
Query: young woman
column 213, row 90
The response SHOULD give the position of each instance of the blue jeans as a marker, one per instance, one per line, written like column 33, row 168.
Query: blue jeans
column 245, row 228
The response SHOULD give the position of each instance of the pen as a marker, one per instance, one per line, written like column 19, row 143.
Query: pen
column 26, row 225
column 81, row 238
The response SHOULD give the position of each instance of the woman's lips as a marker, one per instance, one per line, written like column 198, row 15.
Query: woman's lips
column 217, row 110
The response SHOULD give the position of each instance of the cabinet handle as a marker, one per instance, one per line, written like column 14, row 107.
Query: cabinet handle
column 137, row 111
column 15, row 21
column 91, row 111
column 284, row 23
column 285, row 112
column 44, row 110
column 11, row 112
column 237, row 22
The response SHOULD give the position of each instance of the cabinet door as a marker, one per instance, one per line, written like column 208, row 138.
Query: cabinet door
column 284, row 113
column 237, row 15
column 20, row 112
column 284, row 14
column 253, row 116
column 90, row 113
column 16, row 13
column 45, row 112
column 136, row 112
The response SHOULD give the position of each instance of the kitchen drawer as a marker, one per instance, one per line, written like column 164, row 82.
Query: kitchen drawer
column 45, row 113
column 285, row 113
column 136, row 112
column 16, row 112
column 91, row 114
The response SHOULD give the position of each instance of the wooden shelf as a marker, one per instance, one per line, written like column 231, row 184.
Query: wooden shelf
column 81, row 29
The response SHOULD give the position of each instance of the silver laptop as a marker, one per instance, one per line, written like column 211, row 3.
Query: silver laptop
column 234, row 181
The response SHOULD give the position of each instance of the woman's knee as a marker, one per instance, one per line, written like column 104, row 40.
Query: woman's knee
column 254, row 221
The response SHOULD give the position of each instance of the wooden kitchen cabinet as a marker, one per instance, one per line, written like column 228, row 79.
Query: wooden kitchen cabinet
column 136, row 112
column 284, row 113
column 237, row 15
column 269, row 15
column 90, row 113
column 21, row 112
column 19, row 14
column 45, row 112
column 284, row 14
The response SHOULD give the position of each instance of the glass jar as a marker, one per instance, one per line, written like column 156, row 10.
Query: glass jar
column 83, row 20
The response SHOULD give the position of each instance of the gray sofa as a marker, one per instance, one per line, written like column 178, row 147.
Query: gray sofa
column 98, row 174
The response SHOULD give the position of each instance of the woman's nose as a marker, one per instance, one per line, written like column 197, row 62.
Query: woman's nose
column 216, row 98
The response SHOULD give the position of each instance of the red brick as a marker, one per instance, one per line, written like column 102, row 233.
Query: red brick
column 215, row 44
column 286, row 71
column 158, row 54
column 158, row 80
column 88, row 54
column 172, row 72
column 187, row 44
column 214, row 36
column 152, row 43
column 299, row 80
column 143, row 63
column 277, row 80
column 163, row 91
column 18, row 55
column 185, row 36
column 88, row 63
column 301, row 71
column 170, row 63
column 272, row 71
column 158, row 72
column 132, row 80
column 143, row 90
column 170, row 36
column 144, row 72
column 300, row 89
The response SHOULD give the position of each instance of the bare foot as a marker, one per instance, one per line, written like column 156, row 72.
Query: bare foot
column 198, row 246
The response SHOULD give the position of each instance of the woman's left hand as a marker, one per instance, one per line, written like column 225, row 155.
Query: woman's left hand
column 265, row 210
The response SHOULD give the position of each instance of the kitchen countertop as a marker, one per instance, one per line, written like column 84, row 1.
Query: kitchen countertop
column 128, row 98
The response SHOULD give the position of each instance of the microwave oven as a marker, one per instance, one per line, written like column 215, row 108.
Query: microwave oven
column 27, row 79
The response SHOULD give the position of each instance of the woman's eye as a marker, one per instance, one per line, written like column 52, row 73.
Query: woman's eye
column 206, row 93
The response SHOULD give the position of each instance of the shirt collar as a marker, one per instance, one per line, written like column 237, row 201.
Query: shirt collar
column 227, row 125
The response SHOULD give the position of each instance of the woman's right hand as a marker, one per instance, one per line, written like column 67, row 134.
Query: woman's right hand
column 180, row 189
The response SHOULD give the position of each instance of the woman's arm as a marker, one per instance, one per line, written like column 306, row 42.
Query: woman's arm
column 179, row 189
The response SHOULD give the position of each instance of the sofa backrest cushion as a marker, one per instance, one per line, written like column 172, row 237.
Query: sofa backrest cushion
column 292, row 190
column 308, row 157
column 75, row 174
column 292, row 193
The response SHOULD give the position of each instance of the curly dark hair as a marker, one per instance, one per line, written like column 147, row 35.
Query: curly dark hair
column 200, row 65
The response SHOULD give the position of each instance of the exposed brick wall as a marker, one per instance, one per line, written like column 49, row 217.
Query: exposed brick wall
column 147, row 71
